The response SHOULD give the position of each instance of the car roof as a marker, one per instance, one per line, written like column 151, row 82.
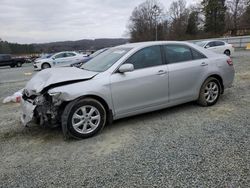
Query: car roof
column 64, row 52
column 150, row 43
column 207, row 41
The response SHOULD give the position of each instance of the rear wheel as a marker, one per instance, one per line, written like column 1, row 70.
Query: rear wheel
column 46, row 66
column 83, row 118
column 227, row 52
column 210, row 92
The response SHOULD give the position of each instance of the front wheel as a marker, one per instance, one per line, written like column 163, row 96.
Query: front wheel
column 46, row 66
column 210, row 92
column 83, row 118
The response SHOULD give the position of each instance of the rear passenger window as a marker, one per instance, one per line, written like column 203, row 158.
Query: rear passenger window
column 70, row 54
column 147, row 57
column 61, row 55
column 5, row 57
column 177, row 53
column 219, row 43
column 197, row 55
column 210, row 44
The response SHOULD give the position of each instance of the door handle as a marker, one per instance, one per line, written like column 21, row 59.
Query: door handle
column 160, row 72
column 204, row 64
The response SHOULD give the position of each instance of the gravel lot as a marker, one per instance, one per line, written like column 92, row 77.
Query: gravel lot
column 183, row 146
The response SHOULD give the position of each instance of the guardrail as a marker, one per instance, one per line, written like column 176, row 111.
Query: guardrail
column 238, row 42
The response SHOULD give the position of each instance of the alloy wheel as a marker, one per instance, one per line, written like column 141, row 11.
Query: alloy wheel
column 86, row 119
column 211, row 92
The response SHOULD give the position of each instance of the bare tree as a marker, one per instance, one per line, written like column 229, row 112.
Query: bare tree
column 235, row 10
column 178, row 13
column 145, row 23
column 244, row 19
column 177, row 9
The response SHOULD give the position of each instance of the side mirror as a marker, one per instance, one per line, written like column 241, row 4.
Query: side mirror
column 207, row 46
column 53, row 58
column 126, row 68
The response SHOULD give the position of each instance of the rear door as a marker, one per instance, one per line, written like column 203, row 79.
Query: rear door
column 220, row 46
column 186, row 68
column 212, row 46
column 145, row 87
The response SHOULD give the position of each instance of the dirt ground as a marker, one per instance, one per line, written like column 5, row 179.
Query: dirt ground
column 183, row 146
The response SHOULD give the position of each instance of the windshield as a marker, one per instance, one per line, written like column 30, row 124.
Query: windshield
column 201, row 43
column 105, row 60
column 97, row 53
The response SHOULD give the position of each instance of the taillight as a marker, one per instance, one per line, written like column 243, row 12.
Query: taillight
column 230, row 62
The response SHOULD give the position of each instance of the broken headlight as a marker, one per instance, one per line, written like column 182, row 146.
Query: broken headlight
column 39, row 100
column 55, row 97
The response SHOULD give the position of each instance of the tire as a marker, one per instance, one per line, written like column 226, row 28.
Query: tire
column 210, row 92
column 46, row 66
column 227, row 52
column 77, row 120
column 19, row 64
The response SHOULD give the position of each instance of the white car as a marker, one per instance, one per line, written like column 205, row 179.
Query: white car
column 216, row 46
column 61, row 59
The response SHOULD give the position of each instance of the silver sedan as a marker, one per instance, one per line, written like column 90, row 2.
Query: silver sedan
column 125, row 81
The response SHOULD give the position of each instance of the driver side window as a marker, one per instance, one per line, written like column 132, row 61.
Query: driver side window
column 146, row 57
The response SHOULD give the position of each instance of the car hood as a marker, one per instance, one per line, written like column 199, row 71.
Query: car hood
column 56, row 77
column 39, row 60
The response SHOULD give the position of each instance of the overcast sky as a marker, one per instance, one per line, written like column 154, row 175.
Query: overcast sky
column 35, row 21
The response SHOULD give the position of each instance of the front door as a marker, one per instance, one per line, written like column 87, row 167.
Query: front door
column 145, row 87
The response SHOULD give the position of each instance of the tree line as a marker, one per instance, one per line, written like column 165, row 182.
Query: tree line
column 14, row 48
column 53, row 47
column 209, row 18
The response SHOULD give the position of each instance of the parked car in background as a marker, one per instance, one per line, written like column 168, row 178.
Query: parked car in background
column 217, row 46
column 60, row 59
column 87, row 58
column 124, row 81
column 9, row 60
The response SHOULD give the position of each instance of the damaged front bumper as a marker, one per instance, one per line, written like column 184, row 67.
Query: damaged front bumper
column 27, row 111
column 43, row 108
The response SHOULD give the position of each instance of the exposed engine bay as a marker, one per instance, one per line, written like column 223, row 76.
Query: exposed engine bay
column 46, row 108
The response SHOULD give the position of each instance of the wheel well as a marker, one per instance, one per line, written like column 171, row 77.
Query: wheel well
column 219, row 79
column 45, row 63
column 99, row 99
column 227, row 50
